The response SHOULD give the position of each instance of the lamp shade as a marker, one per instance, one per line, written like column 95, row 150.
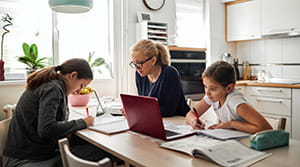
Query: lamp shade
column 71, row 6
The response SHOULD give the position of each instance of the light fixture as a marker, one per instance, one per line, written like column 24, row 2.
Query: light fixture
column 71, row 6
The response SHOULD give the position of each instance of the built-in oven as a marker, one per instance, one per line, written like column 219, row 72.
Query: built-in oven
column 190, row 65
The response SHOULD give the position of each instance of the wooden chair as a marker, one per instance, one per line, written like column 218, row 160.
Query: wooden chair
column 9, row 109
column 4, row 125
column 70, row 160
column 276, row 123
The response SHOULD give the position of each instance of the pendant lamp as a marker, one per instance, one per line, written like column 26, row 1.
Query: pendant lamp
column 71, row 6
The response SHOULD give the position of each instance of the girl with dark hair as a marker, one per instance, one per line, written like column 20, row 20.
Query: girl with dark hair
column 230, row 106
column 41, row 117
column 156, row 78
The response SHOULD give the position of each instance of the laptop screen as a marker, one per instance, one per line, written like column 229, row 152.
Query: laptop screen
column 143, row 115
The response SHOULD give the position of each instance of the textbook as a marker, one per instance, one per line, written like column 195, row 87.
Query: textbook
column 229, row 153
column 108, row 124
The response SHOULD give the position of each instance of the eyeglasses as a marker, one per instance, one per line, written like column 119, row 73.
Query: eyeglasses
column 139, row 65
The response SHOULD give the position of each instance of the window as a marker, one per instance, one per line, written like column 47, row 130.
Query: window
column 191, row 30
column 86, row 33
column 31, row 24
column 71, row 35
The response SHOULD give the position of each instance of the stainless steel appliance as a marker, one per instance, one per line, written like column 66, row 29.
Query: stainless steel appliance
column 190, row 65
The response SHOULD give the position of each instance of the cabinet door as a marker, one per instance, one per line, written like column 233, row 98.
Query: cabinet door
column 296, row 114
column 243, row 21
column 287, row 123
column 280, row 16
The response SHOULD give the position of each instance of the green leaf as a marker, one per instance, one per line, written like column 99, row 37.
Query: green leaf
column 25, row 61
column 25, row 47
column 34, row 51
column 98, row 62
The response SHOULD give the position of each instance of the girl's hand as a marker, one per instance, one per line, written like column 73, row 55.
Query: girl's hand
column 123, row 112
column 89, row 121
column 223, row 125
column 192, row 120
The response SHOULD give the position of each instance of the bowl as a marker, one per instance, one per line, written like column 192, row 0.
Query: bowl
column 79, row 100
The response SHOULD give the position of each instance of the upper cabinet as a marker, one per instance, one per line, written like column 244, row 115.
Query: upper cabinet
column 243, row 20
column 254, row 19
column 280, row 16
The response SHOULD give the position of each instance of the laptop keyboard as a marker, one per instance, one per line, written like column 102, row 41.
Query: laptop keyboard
column 171, row 133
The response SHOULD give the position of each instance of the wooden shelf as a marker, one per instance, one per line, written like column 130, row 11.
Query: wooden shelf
column 185, row 48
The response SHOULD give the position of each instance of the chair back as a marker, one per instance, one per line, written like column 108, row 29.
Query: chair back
column 9, row 109
column 70, row 160
column 276, row 123
column 4, row 125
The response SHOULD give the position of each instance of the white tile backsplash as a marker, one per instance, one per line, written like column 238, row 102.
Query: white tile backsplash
column 274, row 71
column 257, row 52
column 272, row 51
column 291, row 50
column 243, row 51
column 291, row 72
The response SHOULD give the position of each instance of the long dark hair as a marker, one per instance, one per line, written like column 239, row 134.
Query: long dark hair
column 221, row 72
column 81, row 66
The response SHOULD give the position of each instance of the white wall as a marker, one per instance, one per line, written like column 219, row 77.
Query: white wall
column 217, row 44
column 130, row 8
column 9, row 94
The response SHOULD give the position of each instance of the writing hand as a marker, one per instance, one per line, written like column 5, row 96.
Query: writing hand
column 194, row 121
column 89, row 121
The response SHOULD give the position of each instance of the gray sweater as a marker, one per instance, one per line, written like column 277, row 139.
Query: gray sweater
column 40, row 119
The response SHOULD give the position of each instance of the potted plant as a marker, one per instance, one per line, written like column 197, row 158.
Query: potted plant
column 97, row 62
column 81, row 98
column 31, row 58
column 7, row 22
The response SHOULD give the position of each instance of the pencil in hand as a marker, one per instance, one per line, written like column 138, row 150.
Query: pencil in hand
column 87, row 111
column 199, row 123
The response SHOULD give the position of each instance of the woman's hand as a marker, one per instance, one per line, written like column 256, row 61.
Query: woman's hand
column 123, row 112
column 192, row 120
column 89, row 121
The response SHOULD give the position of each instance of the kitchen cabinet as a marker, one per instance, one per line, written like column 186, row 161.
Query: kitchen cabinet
column 241, row 89
column 296, row 114
column 243, row 20
column 280, row 16
column 272, row 102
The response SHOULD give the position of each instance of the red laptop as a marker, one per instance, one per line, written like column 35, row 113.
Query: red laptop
column 144, row 116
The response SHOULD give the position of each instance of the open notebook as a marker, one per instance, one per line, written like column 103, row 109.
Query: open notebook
column 108, row 124
column 225, row 153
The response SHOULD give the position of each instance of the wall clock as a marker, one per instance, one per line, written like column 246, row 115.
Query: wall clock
column 154, row 4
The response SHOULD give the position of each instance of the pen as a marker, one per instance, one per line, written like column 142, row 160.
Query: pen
column 87, row 111
column 196, row 115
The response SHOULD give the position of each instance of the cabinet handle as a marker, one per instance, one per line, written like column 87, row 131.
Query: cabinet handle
column 270, row 90
column 272, row 101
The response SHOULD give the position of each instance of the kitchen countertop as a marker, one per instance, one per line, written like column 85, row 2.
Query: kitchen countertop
column 266, row 83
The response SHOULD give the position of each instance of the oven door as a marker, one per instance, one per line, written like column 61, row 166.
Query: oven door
column 191, row 76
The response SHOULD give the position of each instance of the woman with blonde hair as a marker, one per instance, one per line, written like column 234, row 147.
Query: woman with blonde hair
column 156, row 78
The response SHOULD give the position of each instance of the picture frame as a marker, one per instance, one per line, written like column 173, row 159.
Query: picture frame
column 144, row 16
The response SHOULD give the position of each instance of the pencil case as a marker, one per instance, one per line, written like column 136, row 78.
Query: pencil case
column 269, row 139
